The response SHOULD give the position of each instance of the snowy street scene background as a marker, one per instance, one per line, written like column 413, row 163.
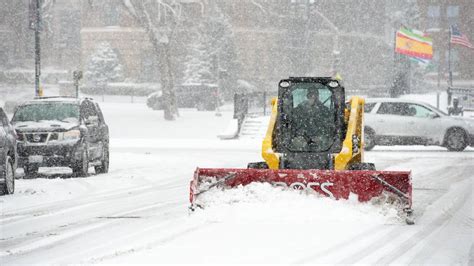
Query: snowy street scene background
column 167, row 75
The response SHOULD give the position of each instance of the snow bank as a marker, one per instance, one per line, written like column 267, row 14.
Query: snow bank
column 231, row 130
column 246, row 204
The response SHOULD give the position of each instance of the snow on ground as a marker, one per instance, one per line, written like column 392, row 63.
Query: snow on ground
column 137, row 213
column 287, row 207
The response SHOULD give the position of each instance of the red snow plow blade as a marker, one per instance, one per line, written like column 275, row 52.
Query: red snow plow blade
column 366, row 184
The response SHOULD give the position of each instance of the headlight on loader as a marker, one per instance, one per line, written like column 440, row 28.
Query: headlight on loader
column 71, row 134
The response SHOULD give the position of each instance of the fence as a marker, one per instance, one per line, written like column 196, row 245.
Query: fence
column 252, row 103
column 465, row 97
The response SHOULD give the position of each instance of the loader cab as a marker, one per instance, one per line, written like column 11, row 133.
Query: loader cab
column 310, row 123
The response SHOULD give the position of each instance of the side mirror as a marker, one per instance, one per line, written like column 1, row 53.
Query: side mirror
column 92, row 121
column 433, row 115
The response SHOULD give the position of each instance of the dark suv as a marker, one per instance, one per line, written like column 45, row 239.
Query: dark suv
column 8, row 155
column 60, row 131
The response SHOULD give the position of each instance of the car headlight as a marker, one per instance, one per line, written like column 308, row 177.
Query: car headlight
column 71, row 134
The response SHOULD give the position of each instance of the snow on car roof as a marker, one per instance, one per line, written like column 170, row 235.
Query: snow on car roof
column 54, row 99
column 373, row 100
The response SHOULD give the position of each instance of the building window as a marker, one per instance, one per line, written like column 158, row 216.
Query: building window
column 433, row 16
column 452, row 13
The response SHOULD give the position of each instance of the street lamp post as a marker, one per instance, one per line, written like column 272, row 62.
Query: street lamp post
column 38, row 91
column 77, row 75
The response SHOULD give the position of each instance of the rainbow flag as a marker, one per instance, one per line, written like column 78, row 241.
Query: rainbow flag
column 413, row 43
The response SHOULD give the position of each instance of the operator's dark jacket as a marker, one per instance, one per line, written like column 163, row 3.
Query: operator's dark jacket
column 313, row 121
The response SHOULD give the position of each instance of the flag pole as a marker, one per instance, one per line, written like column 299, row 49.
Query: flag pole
column 450, row 73
column 392, row 91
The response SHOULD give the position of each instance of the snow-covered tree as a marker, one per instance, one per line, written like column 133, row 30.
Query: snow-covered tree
column 222, row 42
column 159, row 18
column 212, row 52
column 198, row 64
column 103, row 66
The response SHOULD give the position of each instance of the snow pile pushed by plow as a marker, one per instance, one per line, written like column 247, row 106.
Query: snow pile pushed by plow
column 245, row 204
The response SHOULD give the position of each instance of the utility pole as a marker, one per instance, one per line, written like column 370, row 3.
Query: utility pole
column 38, row 90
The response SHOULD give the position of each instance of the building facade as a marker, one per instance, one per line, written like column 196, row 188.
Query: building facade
column 436, row 18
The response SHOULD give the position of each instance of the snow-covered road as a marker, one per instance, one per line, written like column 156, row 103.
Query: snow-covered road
column 137, row 213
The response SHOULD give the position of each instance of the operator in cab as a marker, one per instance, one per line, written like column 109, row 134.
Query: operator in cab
column 314, row 125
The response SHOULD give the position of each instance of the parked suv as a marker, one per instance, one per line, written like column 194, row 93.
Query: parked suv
column 405, row 122
column 61, row 131
column 8, row 155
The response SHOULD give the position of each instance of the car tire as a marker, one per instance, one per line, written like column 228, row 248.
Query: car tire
column 9, row 176
column 369, row 139
column 30, row 170
column 81, row 167
column 456, row 140
column 103, row 168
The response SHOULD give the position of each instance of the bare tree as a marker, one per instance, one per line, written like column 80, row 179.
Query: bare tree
column 160, row 19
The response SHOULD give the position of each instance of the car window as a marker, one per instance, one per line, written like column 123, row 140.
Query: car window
column 88, row 110
column 420, row 111
column 3, row 118
column 394, row 108
column 99, row 112
column 436, row 109
column 369, row 107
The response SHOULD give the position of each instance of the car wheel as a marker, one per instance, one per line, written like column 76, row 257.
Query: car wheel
column 369, row 139
column 456, row 140
column 9, row 176
column 30, row 170
column 104, row 163
column 81, row 167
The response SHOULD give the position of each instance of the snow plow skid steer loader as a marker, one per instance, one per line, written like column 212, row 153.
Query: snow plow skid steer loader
column 314, row 142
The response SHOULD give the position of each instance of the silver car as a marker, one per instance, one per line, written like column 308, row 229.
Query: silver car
column 391, row 121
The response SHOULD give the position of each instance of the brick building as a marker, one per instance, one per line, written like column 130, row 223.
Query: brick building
column 436, row 18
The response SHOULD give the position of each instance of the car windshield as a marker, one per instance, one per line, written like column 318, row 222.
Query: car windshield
column 436, row 109
column 65, row 112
